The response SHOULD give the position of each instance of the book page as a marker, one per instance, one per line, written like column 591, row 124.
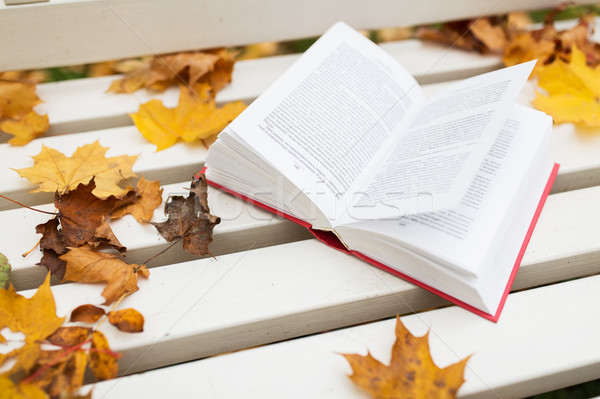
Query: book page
column 324, row 120
column 463, row 236
column 431, row 164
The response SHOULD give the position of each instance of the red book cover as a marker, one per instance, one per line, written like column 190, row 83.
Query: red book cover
column 330, row 239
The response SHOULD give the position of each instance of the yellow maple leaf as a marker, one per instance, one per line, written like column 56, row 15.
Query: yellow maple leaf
column 53, row 171
column 573, row 90
column 25, row 129
column 196, row 117
column 35, row 317
column 143, row 208
column 411, row 373
column 9, row 389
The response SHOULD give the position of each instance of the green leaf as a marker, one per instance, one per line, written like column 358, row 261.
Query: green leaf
column 4, row 271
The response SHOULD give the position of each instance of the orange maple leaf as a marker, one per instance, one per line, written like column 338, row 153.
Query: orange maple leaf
column 149, row 198
column 17, row 117
column 212, row 67
column 411, row 373
column 196, row 117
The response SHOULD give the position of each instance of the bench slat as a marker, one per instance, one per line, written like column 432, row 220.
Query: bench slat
column 94, row 30
column 541, row 342
column 210, row 306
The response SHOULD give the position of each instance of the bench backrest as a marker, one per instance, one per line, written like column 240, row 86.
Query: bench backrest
column 68, row 32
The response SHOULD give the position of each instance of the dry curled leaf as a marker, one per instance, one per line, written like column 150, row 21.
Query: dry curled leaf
column 573, row 90
column 86, row 265
column 54, row 172
column 87, row 314
column 102, row 361
column 127, row 320
column 69, row 336
column 212, row 67
column 149, row 198
column 189, row 218
column 196, row 117
column 411, row 372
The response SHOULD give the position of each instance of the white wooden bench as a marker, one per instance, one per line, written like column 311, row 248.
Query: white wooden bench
column 270, row 281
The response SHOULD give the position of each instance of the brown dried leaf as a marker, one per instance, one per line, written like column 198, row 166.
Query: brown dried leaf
column 150, row 197
column 190, row 218
column 127, row 320
column 69, row 336
column 86, row 265
column 411, row 373
column 87, row 314
column 102, row 360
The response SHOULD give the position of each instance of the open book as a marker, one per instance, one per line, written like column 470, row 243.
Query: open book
column 443, row 192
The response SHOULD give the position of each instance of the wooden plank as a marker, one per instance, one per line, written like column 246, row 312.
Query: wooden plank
column 242, row 227
column 210, row 306
column 76, row 32
column 543, row 341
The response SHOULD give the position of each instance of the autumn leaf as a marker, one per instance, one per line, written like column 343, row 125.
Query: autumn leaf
column 127, row 320
column 86, row 265
column 149, row 198
column 196, row 117
column 35, row 317
column 189, row 218
column 21, row 391
column 54, row 172
column 4, row 271
column 212, row 67
column 25, row 129
column 17, row 99
column 87, row 314
column 17, row 117
column 102, row 361
column 69, row 336
column 573, row 90
column 411, row 372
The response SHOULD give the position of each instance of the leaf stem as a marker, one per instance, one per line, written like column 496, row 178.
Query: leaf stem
column 28, row 207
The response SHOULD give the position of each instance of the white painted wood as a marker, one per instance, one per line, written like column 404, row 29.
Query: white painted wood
column 545, row 339
column 13, row 2
column 242, row 227
column 210, row 306
column 76, row 32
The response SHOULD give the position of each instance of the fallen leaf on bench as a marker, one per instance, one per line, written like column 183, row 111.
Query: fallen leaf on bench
column 20, row 391
column 573, row 90
column 85, row 265
column 189, row 218
column 196, row 117
column 54, row 172
column 87, row 314
column 102, row 363
column 411, row 372
column 127, row 320
column 212, row 67
column 17, row 117
column 149, row 198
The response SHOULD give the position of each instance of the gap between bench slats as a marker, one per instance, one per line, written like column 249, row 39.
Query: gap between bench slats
column 210, row 306
column 544, row 340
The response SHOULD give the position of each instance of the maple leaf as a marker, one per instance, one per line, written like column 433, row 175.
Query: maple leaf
column 127, row 320
column 35, row 317
column 29, row 127
column 17, row 98
column 213, row 67
column 411, row 373
column 21, row 391
column 87, row 314
column 573, row 90
column 86, row 265
column 196, row 117
column 54, row 172
column 150, row 197
column 189, row 217
column 102, row 361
